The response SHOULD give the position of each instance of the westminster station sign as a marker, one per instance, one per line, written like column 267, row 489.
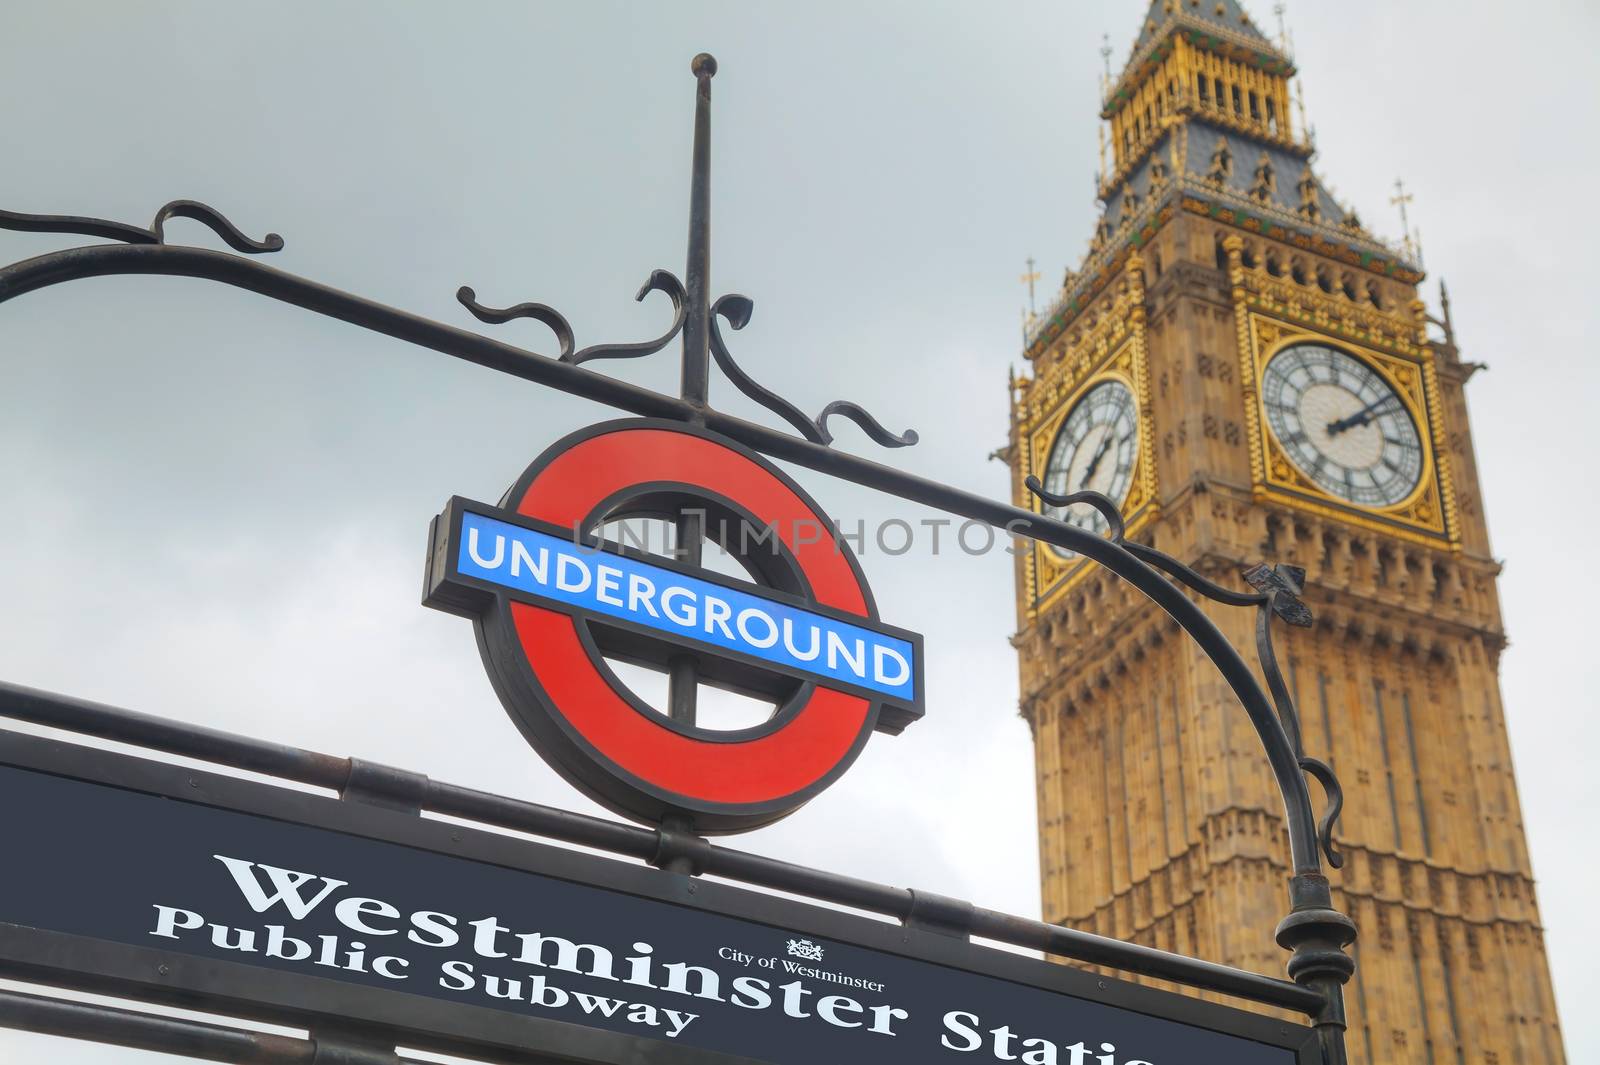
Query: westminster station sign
column 184, row 883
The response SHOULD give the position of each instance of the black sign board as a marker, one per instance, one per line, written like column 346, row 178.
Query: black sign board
column 170, row 884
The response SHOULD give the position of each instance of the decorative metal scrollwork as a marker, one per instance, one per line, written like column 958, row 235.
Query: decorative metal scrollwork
column 154, row 234
column 733, row 308
column 737, row 310
column 1329, row 780
column 1102, row 503
column 659, row 281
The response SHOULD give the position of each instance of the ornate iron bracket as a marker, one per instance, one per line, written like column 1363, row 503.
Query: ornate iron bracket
column 154, row 234
column 737, row 310
column 659, row 281
column 1277, row 594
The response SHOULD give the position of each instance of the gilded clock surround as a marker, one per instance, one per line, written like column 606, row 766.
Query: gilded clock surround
column 1422, row 515
column 1113, row 348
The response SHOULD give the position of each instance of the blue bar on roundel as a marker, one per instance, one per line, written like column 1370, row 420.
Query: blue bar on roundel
column 685, row 608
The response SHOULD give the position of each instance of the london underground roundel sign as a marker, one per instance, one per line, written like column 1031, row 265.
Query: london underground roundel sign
column 552, row 601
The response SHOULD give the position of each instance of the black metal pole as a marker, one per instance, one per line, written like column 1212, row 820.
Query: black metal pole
column 697, row 271
column 683, row 680
column 146, row 1031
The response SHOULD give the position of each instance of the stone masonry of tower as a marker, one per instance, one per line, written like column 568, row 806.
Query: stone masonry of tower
column 1158, row 820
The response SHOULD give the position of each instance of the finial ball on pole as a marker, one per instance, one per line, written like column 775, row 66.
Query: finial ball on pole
column 704, row 65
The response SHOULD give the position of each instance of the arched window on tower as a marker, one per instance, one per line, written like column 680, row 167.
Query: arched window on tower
column 1238, row 102
column 1348, row 286
column 1272, row 116
column 1266, row 180
column 1203, row 89
column 1274, row 264
column 1372, row 294
column 1221, row 163
column 1297, row 271
column 1255, row 107
column 1222, row 253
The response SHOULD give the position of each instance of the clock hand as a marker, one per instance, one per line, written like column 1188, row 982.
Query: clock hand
column 1094, row 463
column 1360, row 417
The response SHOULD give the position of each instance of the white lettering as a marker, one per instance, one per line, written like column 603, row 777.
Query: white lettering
column 244, row 938
column 520, row 557
column 351, row 911
column 641, row 590
column 752, row 614
column 687, row 617
column 751, row 993
column 276, row 940
column 717, row 615
column 960, row 1023
column 439, row 925
column 541, row 991
column 829, row 1009
column 811, row 652
column 884, row 1016
column 566, row 955
column 836, row 650
column 678, row 981
column 608, row 580
column 879, row 653
column 598, row 1004
column 167, row 920
column 477, row 556
column 565, row 564
column 286, row 882
column 382, row 965
column 486, row 930
column 1038, row 1052
column 456, row 970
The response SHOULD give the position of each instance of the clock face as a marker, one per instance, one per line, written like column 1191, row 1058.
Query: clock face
column 1094, row 451
column 1342, row 425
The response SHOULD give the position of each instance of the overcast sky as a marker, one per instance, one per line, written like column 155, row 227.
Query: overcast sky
column 216, row 505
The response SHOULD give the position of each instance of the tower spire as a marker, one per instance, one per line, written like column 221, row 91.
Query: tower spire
column 1028, row 279
column 1400, row 198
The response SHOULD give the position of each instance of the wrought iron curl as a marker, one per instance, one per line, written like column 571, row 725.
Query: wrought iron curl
column 155, row 233
column 658, row 281
column 737, row 310
column 1334, row 792
column 539, row 312
column 1102, row 503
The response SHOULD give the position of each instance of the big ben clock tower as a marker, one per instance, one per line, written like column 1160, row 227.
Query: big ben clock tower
column 1252, row 376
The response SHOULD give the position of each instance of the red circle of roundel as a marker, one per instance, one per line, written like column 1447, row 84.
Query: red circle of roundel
column 634, row 760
